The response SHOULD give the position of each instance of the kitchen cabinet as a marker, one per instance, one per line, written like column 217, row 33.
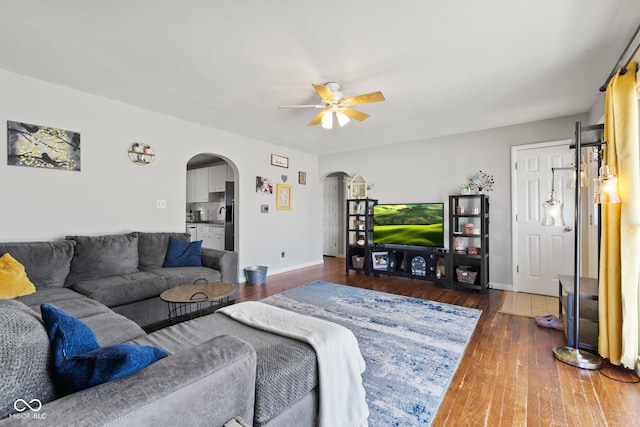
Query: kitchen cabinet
column 212, row 235
column 201, row 191
column 191, row 186
column 198, row 185
column 217, row 238
column 217, row 177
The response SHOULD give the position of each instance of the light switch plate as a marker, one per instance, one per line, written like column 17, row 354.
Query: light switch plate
column 161, row 204
column 264, row 208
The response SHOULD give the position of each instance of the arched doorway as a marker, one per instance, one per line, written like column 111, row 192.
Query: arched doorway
column 210, row 207
column 333, row 216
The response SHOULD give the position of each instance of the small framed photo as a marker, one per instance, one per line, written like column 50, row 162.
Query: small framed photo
column 302, row 178
column 263, row 185
column 280, row 161
column 284, row 196
column 380, row 260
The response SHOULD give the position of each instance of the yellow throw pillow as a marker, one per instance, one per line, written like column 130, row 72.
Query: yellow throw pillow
column 13, row 279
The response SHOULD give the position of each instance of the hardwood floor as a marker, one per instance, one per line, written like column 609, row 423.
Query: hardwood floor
column 508, row 375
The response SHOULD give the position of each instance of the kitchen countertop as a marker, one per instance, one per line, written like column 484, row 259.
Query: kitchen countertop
column 214, row 222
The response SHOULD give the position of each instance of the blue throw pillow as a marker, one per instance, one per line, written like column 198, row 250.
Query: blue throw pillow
column 183, row 254
column 79, row 360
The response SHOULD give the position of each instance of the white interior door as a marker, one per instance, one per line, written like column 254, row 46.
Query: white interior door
column 331, row 217
column 541, row 252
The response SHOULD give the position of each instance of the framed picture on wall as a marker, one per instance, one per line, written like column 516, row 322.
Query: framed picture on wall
column 302, row 178
column 284, row 196
column 280, row 161
column 43, row 147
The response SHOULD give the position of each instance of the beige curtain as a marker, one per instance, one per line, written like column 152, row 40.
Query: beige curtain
column 620, row 250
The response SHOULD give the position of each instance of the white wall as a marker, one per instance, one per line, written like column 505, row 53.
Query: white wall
column 111, row 194
column 432, row 169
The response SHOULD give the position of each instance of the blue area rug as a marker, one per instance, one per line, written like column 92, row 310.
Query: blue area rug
column 412, row 347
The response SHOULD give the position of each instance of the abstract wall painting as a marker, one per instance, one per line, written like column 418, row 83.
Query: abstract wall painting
column 42, row 147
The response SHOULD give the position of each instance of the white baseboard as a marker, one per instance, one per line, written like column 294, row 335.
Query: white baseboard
column 501, row 286
column 243, row 278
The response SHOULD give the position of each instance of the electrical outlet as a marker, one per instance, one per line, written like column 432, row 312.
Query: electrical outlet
column 161, row 204
column 264, row 208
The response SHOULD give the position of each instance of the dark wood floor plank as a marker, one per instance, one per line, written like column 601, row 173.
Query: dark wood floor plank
column 508, row 375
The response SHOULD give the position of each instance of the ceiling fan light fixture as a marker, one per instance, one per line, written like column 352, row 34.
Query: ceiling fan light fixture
column 327, row 120
column 342, row 118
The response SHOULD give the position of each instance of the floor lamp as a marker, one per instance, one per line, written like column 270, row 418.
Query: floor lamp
column 573, row 355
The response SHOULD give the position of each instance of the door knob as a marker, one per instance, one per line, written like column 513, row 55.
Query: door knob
column 568, row 228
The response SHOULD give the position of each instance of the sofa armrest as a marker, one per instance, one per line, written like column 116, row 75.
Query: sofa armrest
column 206, row 385
column 226, row 262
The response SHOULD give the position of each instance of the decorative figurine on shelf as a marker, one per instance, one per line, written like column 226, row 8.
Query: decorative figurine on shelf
column 358, row 187
column 477, row 183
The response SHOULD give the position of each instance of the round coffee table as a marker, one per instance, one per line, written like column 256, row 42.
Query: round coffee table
column 191, row 301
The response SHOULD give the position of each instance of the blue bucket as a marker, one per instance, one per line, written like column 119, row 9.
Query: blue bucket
column 256, row 275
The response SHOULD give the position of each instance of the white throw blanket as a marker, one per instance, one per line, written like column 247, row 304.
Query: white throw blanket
column 340, row 364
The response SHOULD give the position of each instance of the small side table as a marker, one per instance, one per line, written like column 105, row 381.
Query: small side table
column 588, row 316
column 190, row 301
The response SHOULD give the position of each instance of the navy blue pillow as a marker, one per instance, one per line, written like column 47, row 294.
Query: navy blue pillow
column 79, row 360
column 183, row 254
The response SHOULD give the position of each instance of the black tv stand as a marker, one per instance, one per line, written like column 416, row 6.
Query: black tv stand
column 417, row 263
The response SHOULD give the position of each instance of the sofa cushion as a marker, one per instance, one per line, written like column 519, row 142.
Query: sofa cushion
column 287, row 369
column 187, row 275
column 182, row 253
column 13, row 279
column 79, row 360
column 152, row 248
column 109, row 327
column 96, row 257
column 117, row 290
column 46, row 263
column 24, row 357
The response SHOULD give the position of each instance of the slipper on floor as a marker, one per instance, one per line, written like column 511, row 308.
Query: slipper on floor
column 553, row 323
column 547, row 317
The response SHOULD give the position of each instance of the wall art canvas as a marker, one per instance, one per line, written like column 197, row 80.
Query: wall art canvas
column 42, row 147
column 263, row 185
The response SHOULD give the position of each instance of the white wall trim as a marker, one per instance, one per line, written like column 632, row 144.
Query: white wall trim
column 243, row 278
column 501, row 286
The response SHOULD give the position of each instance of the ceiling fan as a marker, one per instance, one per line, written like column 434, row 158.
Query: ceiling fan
column 332, row 101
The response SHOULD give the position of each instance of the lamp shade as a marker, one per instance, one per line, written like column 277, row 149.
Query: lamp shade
column 342, row 118
column 552, row 210
column 327, row 120
column 606, row 187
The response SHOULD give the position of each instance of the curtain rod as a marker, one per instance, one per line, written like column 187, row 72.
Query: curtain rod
column 626, row 56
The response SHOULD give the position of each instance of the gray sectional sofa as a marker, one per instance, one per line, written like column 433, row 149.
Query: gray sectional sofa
column 216, row 369
column 122, row 271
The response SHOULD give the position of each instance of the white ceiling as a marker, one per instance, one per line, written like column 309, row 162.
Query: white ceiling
column 445, row 67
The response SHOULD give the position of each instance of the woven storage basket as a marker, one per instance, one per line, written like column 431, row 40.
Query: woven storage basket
column 466, row 274
column 358, row 261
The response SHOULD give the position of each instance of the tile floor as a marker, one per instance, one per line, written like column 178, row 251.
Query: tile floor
column 528, row 305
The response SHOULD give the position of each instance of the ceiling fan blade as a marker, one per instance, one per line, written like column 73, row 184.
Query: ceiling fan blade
column 323, row 91
column 302, row 106
column 355, row 114
column 365, row 99
column 317, row 119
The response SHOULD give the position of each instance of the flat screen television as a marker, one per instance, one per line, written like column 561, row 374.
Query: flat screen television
column 411, row 224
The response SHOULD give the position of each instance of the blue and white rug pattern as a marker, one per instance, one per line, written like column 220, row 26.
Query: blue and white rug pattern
column 412, row 347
